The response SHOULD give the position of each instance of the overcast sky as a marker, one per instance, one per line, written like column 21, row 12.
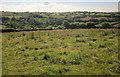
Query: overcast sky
column 60, row 0
column 59, row 5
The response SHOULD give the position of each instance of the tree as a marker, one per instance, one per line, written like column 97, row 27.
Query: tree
column 90, row 25
column 106, row 25
column 66, row 24
column 60, row 27
column 74, row 25
column 103, row 25
column 13, row 25
column 82, row 25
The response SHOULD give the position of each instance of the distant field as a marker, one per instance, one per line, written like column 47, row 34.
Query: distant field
column 61, row 52
column 60, row 20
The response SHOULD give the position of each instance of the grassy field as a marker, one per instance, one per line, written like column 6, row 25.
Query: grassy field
column 0, row 54
column 61, row 52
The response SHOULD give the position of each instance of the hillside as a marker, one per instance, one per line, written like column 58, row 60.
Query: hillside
column 61, row 52
column 59, row 20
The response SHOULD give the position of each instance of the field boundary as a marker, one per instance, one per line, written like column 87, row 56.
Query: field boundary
column 12, row 30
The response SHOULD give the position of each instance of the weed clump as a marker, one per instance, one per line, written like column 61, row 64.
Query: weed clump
column 36, row 48
column 22, row 49
column 94, row 40
column 80, row 40
column 23, row 34
column 102, row 46
column 104, row 34
column 26, row 47
column 32, row 36
column 17, row 42
column 77, row 35
column 46, row 57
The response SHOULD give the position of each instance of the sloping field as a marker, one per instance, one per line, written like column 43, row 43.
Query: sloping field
column 61, row 52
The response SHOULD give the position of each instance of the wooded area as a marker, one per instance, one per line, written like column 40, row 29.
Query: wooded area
column 59, row 20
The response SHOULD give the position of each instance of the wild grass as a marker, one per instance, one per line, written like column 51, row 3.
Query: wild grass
column 61, row 52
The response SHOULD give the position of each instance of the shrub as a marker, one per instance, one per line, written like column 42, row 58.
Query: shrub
column 49, row 27
column 60, row 27
column 66, row 24
column 116, row 26
column 103, row 25
column 90, row 25
column 74, row 25
column 82, row 25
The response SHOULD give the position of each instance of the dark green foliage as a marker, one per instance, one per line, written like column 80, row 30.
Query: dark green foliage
column 69, row 20
column 60, row 27
column 91, row 24
column 82, row 25
column 104, row 25
column 66, row 24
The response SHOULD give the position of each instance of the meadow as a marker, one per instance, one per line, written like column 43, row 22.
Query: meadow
column 61, row 52
column 0, row 54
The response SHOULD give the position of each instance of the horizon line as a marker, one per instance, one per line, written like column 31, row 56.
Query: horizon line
column 61, row 11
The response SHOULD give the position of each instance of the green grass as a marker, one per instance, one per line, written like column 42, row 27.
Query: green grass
column 0, row 54
column 61, row 52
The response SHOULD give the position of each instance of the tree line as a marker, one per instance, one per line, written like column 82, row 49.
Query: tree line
column 69, row 20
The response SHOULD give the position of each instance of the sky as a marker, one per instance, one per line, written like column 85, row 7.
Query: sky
column 60, row 0
column 59, row 5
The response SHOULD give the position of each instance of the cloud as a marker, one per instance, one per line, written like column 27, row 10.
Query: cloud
column 60, row 0
column 42, row 7
column 46, row 3
column 53, row 7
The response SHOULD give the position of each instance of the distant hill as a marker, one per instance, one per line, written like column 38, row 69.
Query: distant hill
column 57, row 20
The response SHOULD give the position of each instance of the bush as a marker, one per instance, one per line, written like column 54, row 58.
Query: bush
column 116, row 26
column 60, row 27
column 66, row 24
column 82, row 25
column 90, row 25
column 103, row 25
column 76, row 25
column 49, row 27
